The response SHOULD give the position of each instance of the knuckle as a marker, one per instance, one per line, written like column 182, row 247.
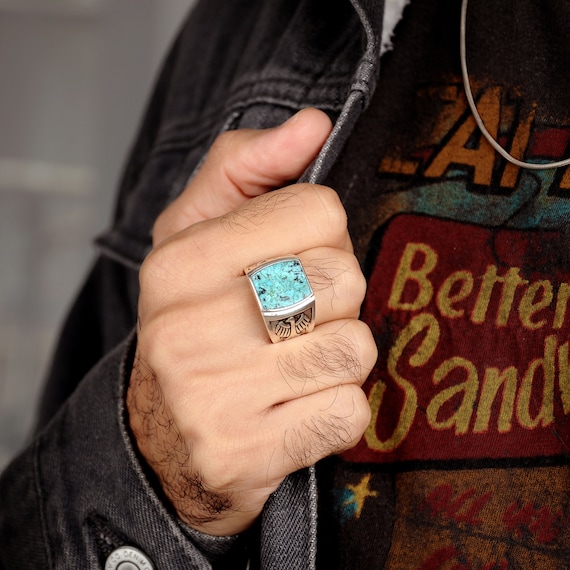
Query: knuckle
column 354, row 411
column 333, row 212
column 362, row 340
column 329, row 199
column 158, row 273
column 323, row 209
column 252, row 214
column 361, row 414
column 353, row 284
column 152, row 270
column 316, row 437
column 336, row 275
column 328, row 363
column 360, row 283
column 343, row 357
column 166, row 267
column 342, row 427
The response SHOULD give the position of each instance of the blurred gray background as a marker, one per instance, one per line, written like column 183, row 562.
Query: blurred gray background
column 74, row 78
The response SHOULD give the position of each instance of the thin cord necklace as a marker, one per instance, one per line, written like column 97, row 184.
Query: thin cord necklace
column 506, row 155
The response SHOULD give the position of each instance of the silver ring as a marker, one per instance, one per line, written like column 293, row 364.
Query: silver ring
column 284, row 296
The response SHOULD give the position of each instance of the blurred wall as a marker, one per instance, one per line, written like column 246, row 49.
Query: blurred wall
column 74, row 79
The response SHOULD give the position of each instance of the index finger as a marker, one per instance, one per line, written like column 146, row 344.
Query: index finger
column 287, row 221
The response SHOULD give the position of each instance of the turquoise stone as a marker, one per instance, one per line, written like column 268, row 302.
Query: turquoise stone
column 281, row 284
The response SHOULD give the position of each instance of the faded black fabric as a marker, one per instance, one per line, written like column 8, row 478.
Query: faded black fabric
column 480, row 494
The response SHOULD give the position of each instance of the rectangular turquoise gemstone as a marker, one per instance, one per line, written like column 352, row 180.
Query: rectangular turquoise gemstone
column 281, row 284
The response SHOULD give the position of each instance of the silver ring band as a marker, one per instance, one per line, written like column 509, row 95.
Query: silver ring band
column 284, row 297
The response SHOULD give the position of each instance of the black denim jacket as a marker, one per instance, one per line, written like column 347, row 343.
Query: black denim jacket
column 79, row 490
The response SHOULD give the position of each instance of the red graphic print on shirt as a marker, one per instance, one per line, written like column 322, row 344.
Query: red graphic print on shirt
column 484, row 519
column 474, row 357
column 472, row 387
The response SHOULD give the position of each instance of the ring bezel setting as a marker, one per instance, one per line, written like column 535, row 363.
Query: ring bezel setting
column 284, row 297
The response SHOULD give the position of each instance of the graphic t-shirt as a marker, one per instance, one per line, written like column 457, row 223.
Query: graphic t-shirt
column 466, row 462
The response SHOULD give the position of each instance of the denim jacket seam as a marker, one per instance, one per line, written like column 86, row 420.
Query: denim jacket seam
column 178, row 128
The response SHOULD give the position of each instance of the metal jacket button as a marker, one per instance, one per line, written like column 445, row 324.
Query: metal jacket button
column 128, row 558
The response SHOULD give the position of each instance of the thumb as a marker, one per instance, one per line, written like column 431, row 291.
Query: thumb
column 243, row 164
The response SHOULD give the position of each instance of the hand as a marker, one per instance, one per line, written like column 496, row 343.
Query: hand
column 220, row 413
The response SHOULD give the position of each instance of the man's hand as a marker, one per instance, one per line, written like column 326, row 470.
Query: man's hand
column 220, row 413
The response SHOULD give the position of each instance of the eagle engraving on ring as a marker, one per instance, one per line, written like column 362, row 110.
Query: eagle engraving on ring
column 293, row 326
